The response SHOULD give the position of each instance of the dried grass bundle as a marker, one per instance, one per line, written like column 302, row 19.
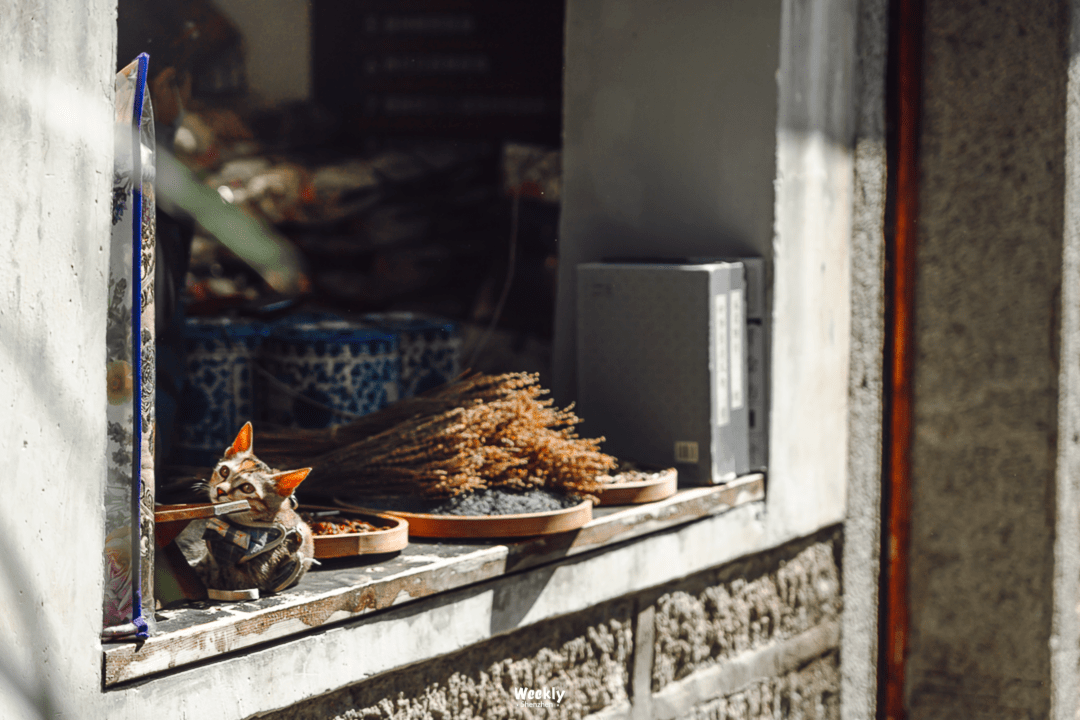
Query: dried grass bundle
column 479, row 432
column 281, row 445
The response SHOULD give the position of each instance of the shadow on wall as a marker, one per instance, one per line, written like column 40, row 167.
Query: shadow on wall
column 28, row 647
column 22, row 670
column 513, row 601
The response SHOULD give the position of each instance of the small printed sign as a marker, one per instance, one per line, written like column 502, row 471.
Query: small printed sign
column 720, row 360
column 686, row 451
column 738, row 322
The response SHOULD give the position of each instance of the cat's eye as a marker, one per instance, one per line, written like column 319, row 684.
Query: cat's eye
column 247, row 487
column 223, row 471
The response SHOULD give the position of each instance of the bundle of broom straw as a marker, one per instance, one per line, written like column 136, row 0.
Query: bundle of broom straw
column 481, row 431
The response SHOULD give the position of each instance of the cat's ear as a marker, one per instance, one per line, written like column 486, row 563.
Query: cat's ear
column 286, row 482
column 242, row 443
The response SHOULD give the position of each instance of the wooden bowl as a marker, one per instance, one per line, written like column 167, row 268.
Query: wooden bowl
column 641, row 491
column 195, row 511
column 490, row 526
column 393, row 536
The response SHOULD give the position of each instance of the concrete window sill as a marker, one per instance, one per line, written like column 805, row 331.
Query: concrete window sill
column 345, row 590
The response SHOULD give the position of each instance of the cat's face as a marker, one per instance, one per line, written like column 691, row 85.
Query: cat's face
column 239, row 475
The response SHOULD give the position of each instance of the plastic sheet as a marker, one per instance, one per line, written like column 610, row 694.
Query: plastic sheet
column 129, row 491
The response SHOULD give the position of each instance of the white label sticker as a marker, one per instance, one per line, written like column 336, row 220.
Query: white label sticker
column 686, row 451
column 721, row 359
column 738, row 322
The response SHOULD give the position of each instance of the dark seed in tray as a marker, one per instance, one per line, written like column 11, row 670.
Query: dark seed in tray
column 485, row 502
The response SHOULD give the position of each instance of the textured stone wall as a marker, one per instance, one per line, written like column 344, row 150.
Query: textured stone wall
column 588, row 656
column 745, row 606
column 862, row 524
column 809, row 693
column 986, row 400
column 753, row 639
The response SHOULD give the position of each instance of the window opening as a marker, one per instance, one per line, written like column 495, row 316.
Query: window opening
column 400, row 198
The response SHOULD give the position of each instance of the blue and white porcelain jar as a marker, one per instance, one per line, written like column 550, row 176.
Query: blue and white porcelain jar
column 327, row 372
column 430, row 348
column 219, row 393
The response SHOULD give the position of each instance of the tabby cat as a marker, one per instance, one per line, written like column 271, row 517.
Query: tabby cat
column 267, row 547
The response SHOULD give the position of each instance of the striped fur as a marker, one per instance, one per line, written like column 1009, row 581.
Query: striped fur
column 240, row 475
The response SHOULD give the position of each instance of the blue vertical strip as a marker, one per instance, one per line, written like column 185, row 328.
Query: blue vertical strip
column 136, row 338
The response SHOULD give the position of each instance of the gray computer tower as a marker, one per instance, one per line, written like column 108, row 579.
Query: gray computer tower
column 662, row 365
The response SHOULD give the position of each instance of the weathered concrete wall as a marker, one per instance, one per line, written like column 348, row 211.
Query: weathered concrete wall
column 811, row 340
column 862, row 526
column 984, row 453
column 56, row 73
column 1065, row 626
column 754, row 638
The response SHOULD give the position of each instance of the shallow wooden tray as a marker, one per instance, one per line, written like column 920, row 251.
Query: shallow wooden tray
column 170, row 520
column 489, row 526
column 394, row 536
column 642, row 491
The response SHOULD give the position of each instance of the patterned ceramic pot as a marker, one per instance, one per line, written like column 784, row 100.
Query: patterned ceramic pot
column 430, row 348
column 327, row 372
column 219, row 392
